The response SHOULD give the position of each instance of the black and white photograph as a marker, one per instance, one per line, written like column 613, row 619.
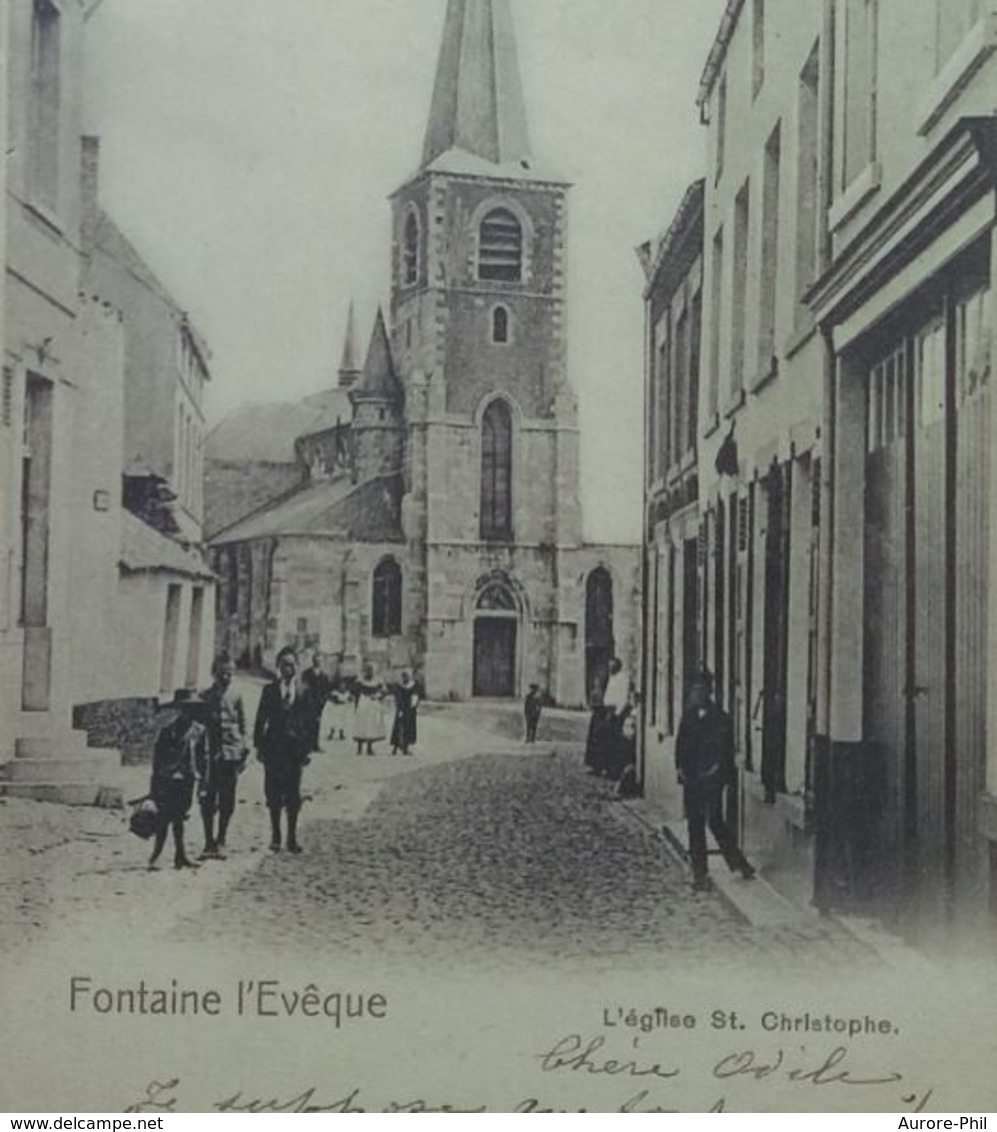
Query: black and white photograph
column 496, row 522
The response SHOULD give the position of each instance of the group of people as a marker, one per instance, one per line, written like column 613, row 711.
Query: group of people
column 611, row 748
column 704, row 763
column 205, row 747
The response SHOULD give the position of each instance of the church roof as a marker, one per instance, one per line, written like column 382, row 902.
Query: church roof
column 364, row 512
column 266, row 433
column 478, row 104
column 379, row 376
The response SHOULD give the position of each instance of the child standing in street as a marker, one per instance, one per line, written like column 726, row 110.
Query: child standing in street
column 532, row 709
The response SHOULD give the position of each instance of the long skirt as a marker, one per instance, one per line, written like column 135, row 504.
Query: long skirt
column 600, row 747
column 403, row 732
column 368, row 720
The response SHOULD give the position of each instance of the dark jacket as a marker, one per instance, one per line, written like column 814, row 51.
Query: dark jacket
column 179, row 757
column 283, row 733
column 704, row 748
column 318, row 685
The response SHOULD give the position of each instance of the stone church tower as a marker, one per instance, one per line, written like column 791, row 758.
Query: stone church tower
column 440, row 527
column 478, row 331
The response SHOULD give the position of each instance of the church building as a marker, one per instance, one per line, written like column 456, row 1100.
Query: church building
column 439, row 525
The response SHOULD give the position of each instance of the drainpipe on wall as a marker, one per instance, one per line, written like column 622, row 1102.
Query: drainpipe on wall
column 644, row 572
column 825, row 627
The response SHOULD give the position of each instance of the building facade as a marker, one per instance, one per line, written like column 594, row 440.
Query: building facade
column 165, row 583
column 674, row 628
column 907, row 306
column 466, row 416
column 845, row 547
column 60, row 436
column 87, row 576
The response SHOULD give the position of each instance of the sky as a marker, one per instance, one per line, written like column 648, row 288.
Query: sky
column 249, row 147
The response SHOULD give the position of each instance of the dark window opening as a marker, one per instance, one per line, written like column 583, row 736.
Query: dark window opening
column 496, row 473
column 500, row 326
column 410, row 256
column 386, row 611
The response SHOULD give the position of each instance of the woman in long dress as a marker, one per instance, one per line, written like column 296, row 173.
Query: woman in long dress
column 403, row 732
column 368, row 718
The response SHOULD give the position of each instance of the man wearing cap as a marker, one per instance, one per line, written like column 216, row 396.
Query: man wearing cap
column 704, row 759
column 282, row 737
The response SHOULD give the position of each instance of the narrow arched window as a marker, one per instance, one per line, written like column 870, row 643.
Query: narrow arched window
column 386, row 600
column 496, row 473
column 500, row 326
column 410, row 253
column 500, row 247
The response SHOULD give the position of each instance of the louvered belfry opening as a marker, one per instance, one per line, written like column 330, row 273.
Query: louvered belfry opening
column 500, row 248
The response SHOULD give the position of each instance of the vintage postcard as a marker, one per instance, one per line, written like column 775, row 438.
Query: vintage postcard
column 496, row 523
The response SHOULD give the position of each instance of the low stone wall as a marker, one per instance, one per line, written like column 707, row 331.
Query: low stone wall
column 130, row 725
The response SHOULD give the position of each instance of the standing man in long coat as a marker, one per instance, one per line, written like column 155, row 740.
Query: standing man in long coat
column 704, row 759
column 282, row 736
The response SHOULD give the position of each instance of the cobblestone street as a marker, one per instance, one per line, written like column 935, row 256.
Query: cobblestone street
column 475, row 852
column 494, row 858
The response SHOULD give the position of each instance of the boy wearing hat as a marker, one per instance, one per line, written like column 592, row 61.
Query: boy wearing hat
column 179, row 759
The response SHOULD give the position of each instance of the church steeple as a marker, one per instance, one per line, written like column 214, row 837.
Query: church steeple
column 380, row 379
column 378, row 411
column 349, row 368
column 478, row 104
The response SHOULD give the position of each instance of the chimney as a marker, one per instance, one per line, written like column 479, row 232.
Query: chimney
column 89, row 186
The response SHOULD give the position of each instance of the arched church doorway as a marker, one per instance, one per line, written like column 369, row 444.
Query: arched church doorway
column 496, row 629
column 600, row 642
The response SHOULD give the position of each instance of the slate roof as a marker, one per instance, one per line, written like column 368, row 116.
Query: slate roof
column 379, row 377
column 688, row 219
column 478, row 103
column 266, row 433
column 145, row 550
column 365, row 512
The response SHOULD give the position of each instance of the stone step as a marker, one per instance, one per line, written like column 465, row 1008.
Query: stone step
column 65, row 793
column 64, row 744
column 94, row 767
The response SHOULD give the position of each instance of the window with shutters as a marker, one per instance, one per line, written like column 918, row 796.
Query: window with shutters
column 45, row 111
column 496, row 473
column 386, row 600
column 500, row 247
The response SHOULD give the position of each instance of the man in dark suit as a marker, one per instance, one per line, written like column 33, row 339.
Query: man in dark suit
column 704, row 759
column 282, row 737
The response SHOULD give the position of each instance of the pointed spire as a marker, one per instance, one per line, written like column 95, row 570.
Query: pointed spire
column 349, row 368
column 478, row 101
column 379, row 377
